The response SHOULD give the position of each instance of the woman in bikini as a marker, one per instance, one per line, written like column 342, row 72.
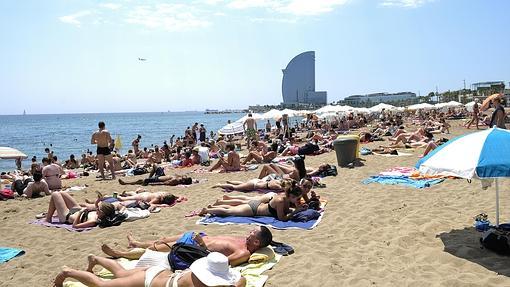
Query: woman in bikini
column 69, row 211
column 297, row 171
column 277, row 207
column 162, row 198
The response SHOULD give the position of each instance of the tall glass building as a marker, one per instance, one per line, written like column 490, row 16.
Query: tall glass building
column 298, row 84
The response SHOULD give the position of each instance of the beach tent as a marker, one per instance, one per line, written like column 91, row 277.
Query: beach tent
column 255, row 116
column 232, row 129
column 482, row 155
column 379, row 107
column 11, row 153
column 422, row 106
column 272, row 114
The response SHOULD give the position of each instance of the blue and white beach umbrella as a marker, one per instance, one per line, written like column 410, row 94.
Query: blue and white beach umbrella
column 484, row 154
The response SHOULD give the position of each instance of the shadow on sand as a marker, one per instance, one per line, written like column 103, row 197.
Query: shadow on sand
column 465, row 244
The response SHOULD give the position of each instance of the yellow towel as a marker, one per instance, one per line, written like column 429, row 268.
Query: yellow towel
column 262, row 255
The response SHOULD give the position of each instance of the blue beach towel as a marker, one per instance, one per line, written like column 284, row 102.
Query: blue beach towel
column 403, row 180
column 7, row 254
column 261, row 220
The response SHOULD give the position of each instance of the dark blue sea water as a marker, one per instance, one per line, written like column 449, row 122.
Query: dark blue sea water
column 67, row 134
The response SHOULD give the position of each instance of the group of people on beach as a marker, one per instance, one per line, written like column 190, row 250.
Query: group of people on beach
column 279, row 153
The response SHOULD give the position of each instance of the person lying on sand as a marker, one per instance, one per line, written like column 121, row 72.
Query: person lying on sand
column 233, row 162
column 160, row 199
column 212, row 270
column 171, row 180
column 238, row 249
column 278, row 207
column 69, row 211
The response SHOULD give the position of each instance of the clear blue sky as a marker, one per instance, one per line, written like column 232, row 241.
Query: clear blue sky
column 66, row 56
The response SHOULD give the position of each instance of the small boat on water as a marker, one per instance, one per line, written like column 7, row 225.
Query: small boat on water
column 24, row 112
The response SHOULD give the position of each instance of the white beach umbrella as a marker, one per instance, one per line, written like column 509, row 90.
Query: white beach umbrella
column 379, row 107
column 272, row 114
column 326, row 109
column 289, row 112
column 328, row 115
column 361, row 110
column 303, row 112
column 422, row 106
column 232, row 129
column 255, row 116
column 11, row 153
column 483, row 155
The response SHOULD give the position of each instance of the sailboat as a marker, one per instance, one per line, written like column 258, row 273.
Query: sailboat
column 24, row 112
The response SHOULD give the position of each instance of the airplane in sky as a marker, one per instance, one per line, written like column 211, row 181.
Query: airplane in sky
column 142, row 59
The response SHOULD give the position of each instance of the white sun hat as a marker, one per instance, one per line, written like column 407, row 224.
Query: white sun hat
column 214, row 270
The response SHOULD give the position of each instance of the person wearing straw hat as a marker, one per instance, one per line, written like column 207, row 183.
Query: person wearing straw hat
column 212, row 270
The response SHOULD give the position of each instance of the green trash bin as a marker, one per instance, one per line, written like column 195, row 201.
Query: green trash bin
column 345, row 149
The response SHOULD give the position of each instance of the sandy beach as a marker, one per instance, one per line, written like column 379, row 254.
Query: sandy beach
column 371, row 235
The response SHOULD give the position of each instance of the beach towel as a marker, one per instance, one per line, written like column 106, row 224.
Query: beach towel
column 403, row 180
column 393, row 155
column 399, row 171
column 67, row 227
column 75, row 188
column 251, row 271
column 260, row 220
column 7, row 254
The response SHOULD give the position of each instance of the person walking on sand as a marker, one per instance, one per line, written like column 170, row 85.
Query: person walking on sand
column 103, row 139
column 476, row 111
column 250, row 127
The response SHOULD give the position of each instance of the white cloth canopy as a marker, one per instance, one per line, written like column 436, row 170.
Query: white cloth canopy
column 11, row 153
column 469, row 106
column 289, row 112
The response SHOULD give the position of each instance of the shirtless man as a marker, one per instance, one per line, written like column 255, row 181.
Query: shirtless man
column 136, row 144
column 260, row 153
column 250, row 127
column 233, row 162
column 51, row 173
column 238, row 249
column 103, row 139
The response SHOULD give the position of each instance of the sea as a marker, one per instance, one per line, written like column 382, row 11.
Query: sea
column 67, row 134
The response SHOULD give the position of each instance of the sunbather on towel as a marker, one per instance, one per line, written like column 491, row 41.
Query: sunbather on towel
column 212, row 270
column 171, row 180
column 238, row 249
column 233, row 162
column 161, row 198
column 69, row 211
column 278, row 207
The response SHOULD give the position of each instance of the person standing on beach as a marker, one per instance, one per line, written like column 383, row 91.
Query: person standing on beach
column 498, row 116
column 250, row 128
column 103, row 139
column 202, row 133
column 136, row 145
column 476, row 111
column 194, row 132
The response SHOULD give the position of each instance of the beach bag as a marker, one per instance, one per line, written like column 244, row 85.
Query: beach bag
column 182, row 255
column 496, row 241
column 6, row 194
column 330, row 171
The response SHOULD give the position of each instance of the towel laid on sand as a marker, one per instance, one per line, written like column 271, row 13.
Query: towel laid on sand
column 7, row 254
column 251, row 271
column 67, row 227
column 260, row 220
column 402, row 180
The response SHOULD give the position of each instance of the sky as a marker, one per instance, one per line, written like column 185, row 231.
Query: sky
column 73, row 56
